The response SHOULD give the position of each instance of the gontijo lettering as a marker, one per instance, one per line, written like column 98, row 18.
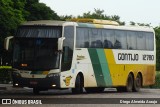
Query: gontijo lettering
column 128, row 56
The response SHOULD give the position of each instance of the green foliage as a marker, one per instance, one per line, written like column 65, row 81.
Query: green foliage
column 5, row 75
column 132, row 23
column 10, row 17
column 143, row 24
column 14, row 12
column 39, row 11
column 65, row 17
column 139, row 24
column 157, row 34
column 99, row 14
column 157, row 80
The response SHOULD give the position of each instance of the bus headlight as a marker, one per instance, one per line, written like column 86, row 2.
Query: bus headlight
column 52, row 75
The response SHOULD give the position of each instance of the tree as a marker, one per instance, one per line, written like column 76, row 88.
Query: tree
column 143, row 24
column 10, row 17
column 65, row 17
column 132, row 23
column 39, row 11
column 157, row 34
column 140, row 24
column 97, row 14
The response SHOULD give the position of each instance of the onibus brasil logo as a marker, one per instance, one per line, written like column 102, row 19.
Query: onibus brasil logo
column 21, row 101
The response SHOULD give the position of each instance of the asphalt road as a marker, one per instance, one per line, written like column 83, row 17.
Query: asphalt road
column 85, row 99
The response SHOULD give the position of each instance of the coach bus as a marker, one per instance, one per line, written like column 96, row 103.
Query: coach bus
column 82, row 54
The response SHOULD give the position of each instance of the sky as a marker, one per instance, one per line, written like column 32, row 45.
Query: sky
column 139, row 11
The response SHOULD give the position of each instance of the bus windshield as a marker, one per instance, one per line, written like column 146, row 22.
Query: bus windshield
column 35, row 54
column 39, row 31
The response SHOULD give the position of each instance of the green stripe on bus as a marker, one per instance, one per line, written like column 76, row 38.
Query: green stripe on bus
column 96, row 67
column 104, row 66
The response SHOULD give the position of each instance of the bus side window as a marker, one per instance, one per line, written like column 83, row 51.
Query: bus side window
column 82, row 39
column 93, row 44
column 68, row 46
column 66, row 61
column 99, row 44
column 95, row 36
column 65, row 54
column 108, row 38
column 117, row 45
column 131, row 40
column 141, row 41
column 120, row 39
column 108, row 44
column 149, row 41
column 86, row 44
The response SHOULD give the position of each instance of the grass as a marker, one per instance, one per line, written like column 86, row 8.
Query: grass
column 157, row 81
column 5, row 75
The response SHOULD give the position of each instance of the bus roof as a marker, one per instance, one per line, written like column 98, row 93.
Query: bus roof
column 44, row 23
column 95, row 21
column 61, row 23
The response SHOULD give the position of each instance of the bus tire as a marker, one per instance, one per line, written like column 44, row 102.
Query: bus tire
column 36, row 91
column 130, row 83
column 137, row 83
column 94, row 90
column 78, row 86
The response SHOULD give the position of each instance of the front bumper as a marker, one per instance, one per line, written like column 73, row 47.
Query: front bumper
column 48, row 82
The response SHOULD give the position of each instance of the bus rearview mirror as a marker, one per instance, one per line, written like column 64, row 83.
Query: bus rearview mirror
column 8, row 42
column 60, row 43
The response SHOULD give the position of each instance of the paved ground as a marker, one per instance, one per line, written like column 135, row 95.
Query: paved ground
column 110, row 94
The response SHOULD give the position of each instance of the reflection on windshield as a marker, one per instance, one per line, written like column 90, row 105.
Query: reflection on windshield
column 39, row 31
column 36, row 54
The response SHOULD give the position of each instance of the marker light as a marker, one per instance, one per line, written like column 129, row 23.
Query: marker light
column 53, row 85
column 24, row 65
column 16, row 84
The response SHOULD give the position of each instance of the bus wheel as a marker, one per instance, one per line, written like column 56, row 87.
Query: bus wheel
column 129, row 85
column 94, row 90
column 36, row 91
column 78, row 86
column 137, row 83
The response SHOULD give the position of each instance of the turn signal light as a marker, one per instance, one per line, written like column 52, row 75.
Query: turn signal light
column 24, row 65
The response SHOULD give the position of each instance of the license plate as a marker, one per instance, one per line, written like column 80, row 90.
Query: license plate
column 33, row 83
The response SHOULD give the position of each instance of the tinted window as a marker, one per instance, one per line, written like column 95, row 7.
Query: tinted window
column 95, row 37
column 68, row 48
column 120, row 40
column 141, row 41
column 36, row 53
column 82, row 38
column 108, row 38
column 114, row 39
column 149, row 41
column 131, row 40
column 40, row 31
